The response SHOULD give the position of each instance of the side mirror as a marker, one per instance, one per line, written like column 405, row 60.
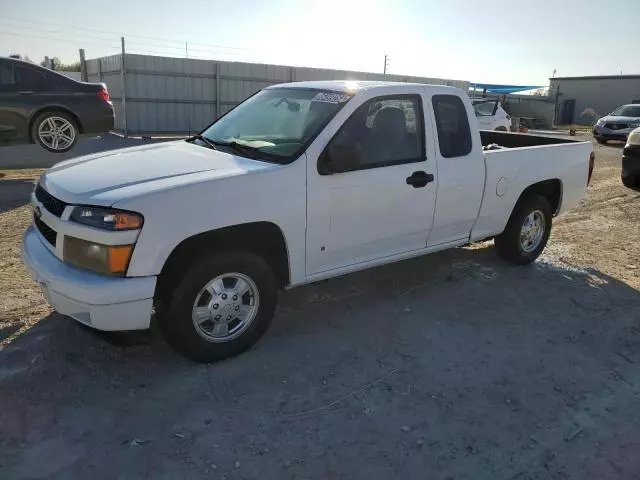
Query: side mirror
column 338, row 157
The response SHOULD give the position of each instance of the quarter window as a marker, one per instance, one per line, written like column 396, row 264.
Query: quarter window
column 382, row 132
column 452, row 123
column 29, row 78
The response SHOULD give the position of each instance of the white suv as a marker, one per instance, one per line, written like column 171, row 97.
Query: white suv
column 491, row 115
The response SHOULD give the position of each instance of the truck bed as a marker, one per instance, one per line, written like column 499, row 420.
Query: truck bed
column 519, row 140
column 527, row 160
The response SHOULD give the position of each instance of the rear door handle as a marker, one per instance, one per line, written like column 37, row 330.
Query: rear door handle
column 419, row 179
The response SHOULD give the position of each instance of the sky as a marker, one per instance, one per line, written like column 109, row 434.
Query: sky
column 485, row 42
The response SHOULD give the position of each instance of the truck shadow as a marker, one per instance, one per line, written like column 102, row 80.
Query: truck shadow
column 441, row 326
column 14, row 194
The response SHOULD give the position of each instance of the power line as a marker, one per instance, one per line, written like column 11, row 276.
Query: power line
column 75, row 42
column 55, row 32
column 133, row 46
column 99, row 31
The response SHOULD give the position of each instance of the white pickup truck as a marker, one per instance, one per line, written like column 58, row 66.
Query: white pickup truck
column 301, row 182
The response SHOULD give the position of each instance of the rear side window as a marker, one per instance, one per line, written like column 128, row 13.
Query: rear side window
column 454, row 134
column 29, row 78
column 7, row 79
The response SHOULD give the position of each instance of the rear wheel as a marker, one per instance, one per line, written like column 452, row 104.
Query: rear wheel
column 527, row 232
column 220, row 307
column 55, row 131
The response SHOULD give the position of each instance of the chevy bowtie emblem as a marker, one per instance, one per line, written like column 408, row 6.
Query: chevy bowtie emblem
column 37, row 212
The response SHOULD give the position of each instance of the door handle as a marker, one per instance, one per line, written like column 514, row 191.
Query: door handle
column 419, row 179
column 26, row 92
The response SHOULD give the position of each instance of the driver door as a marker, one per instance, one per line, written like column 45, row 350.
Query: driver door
column 371, row 186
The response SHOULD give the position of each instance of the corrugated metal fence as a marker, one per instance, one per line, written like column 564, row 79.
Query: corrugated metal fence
column 164, row 95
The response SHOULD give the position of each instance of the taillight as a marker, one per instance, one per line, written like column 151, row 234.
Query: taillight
column 104, row 94
column 592, row 164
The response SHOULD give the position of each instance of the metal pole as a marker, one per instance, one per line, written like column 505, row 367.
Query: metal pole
column 218, row 90
column 123, row 77
column 83, row 67
column 386, row 63
column 186, row 49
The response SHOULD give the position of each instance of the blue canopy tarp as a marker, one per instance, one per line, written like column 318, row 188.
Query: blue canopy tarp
column 503, row 89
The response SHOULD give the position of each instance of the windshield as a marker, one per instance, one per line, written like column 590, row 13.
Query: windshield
column 484, row 109
column 627, row 111
column 277, row 121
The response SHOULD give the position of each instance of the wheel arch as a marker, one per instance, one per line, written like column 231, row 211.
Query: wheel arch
column 550, row 189
column 265, row 239
column 52, row 108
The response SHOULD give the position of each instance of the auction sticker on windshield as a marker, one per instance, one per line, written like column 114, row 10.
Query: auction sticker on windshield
column 330, row 97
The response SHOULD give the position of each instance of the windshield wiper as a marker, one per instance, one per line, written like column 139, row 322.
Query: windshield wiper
column 246, row 149
column 197, row 136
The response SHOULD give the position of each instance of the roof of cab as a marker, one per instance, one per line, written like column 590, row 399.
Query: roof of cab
column 347, row 86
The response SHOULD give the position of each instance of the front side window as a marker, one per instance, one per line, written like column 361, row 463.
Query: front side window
column 276, row 123
column 627, row 111
column 382, row 132
column 452, row 123
column 29, row 78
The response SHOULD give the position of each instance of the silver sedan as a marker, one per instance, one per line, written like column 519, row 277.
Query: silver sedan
column 618, row 124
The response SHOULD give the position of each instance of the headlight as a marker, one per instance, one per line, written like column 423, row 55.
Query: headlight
column 105, row 259
column 601, row 122
column 634, row 138
column 106, row 218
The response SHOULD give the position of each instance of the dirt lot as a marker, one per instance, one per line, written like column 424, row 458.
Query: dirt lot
column 455, row 366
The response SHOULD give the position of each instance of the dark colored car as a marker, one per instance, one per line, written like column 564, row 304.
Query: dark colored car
column 631, row 161
column 41, row 106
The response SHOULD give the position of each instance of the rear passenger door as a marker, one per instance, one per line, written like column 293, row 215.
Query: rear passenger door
column 13, row 118
column 461, row 169
column 370, row 189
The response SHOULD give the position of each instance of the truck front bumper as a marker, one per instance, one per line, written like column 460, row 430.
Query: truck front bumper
column 99, row 301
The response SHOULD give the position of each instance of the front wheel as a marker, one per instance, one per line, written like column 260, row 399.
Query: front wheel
column 220, row 307
column 527, row 231
column 601, row 141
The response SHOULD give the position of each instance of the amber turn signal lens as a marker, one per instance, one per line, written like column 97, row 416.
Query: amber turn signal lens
column 119, row 258
column 127, row 221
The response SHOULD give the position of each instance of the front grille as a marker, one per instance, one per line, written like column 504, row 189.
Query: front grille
column 616, row 126
column 51, row 203
column 46, row 231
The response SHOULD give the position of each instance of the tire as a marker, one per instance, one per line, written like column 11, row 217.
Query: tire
column 601, row 141
column 175, row 310
column 631, row 181
column 55, row 131
column 509, row 243
column 501, row 129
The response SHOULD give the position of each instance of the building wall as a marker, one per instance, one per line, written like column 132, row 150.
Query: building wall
column 182, row 95
column 602, row 95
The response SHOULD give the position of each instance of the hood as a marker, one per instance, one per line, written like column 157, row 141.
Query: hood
column 618, row 119
column 108, row 177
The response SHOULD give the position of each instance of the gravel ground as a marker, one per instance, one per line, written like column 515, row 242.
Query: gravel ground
column 453, row 366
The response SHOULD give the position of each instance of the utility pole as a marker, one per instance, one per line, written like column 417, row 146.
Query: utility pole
column 386, row 63
column 83, row 66
column 123, row 95
column 186, row 49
